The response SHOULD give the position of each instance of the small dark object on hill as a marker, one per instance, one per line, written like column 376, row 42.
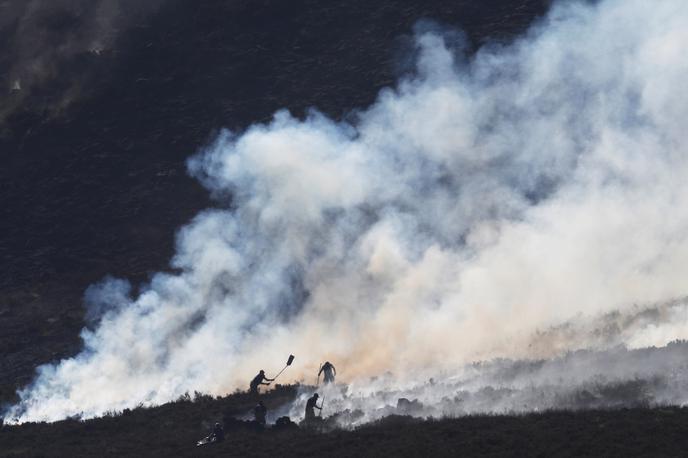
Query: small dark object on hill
column 285, row 423
column 409, row 407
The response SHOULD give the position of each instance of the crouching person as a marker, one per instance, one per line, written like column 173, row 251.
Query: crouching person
column 217, row 435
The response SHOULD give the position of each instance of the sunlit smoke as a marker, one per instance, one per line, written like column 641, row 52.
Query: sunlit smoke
column 473, row 212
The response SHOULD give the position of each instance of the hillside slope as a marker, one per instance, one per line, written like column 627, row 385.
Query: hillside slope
column 173, row 429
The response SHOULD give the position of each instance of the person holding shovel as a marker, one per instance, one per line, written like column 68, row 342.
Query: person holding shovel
column 259, row 379
column 311, row 405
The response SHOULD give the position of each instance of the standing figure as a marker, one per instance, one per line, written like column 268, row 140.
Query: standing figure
column 329, row 371
column 259, row 380
column 259, row 413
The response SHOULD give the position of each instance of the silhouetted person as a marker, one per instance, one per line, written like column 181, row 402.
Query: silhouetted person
column 311, row 405
column 259, row 412
column 329, row 371
column 259, row 380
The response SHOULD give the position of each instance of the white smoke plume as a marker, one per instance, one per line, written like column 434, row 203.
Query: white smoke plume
column 469, row 214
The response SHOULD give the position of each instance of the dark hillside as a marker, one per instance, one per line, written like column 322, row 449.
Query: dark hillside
column 98, row 186
column 173, row 429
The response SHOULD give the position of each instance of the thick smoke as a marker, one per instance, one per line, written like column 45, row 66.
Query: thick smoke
column 489, row 207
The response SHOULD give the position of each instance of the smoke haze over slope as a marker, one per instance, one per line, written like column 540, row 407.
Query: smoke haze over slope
column 476, row 204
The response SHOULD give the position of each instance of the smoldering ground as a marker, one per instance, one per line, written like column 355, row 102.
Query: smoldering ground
column 612, row 375
column 478, row 204
column 585, row 379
